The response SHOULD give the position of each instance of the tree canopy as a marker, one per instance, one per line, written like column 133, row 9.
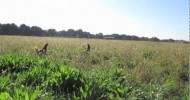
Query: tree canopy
column 24, row 30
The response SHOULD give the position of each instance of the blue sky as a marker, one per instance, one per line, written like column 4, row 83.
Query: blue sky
column 160, row 18
column 167, row 18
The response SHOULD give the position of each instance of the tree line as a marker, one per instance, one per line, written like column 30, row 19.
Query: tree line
column 25, row 30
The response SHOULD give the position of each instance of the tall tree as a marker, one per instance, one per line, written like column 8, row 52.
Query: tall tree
column 24, row 29
column 10, row 29
column 36, row 31
column 51, row 32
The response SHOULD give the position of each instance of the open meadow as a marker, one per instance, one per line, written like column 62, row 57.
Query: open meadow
column 112, row 70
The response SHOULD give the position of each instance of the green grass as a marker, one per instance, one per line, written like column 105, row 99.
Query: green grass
column 113, row 69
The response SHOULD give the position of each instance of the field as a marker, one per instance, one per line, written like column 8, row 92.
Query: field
column 112, row 70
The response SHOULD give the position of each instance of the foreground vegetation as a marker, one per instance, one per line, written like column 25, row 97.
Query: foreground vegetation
column 111, row 70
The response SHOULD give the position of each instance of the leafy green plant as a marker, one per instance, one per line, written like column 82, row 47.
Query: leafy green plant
column 26, row 93
column 66, row 80
column 15, row 63
column 4, row 83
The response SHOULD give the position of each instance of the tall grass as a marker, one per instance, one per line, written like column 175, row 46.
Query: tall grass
column 111, row 70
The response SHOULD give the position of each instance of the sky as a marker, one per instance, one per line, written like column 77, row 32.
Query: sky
column 149, row 18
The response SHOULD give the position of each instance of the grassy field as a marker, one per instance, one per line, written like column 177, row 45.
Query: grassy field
column 113, row 69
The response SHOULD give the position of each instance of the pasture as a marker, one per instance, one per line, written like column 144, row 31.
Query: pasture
column 113, row 69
